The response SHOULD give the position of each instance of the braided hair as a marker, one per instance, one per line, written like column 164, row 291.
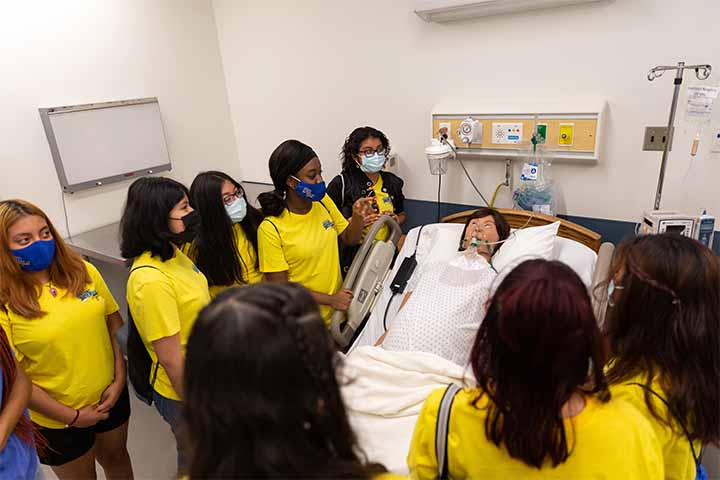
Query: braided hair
column 664, row 325
column 261, row 394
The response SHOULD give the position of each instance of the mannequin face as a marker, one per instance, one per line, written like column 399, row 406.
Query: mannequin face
column 483, row 229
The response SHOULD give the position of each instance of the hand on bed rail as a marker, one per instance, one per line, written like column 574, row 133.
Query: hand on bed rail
column 341, row 300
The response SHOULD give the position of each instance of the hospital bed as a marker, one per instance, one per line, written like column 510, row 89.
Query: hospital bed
column 575, row 245
column 385, row 390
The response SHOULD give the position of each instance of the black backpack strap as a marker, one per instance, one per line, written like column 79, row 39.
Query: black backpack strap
column 131, row 323
column 652, row 392
column 276, row 229
column 442, row 429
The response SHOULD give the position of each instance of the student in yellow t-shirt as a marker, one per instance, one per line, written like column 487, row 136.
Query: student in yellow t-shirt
column 262, row 398
column 60, row 319
column 165, row 290
column 225, row 247
column 663, row 325
column 298, row 239
column 364, row 155
column 534, row 414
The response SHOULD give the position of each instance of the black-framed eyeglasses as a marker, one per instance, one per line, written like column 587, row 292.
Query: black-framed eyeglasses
column 369, row 153
column 229, row 198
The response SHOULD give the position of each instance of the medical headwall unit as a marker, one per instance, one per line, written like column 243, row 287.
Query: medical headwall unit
column 101, row 143
column 570, row 133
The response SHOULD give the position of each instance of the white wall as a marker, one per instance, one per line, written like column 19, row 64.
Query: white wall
column 314, row 70
column 81, row 51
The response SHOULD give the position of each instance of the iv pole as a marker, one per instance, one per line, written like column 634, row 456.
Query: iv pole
column 702, row 72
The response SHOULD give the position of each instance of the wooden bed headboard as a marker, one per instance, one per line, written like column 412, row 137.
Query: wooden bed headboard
column 523, row 218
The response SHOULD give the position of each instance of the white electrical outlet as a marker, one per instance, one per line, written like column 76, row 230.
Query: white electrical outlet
column 715, row 145
column 507, row 133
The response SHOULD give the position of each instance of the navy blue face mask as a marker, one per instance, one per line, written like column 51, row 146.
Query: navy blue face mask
column 313, row 192
column 37, row 256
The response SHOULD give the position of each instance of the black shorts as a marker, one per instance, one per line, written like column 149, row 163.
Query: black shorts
column 68, row 444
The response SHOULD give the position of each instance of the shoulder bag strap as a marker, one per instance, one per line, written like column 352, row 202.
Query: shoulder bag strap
column 442, row 429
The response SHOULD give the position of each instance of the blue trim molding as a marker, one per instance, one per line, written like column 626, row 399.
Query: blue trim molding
column 421, row 212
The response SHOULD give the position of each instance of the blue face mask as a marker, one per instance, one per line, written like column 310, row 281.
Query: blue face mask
column 37, row 256
column 310, row 191
column 237, row 210
column 373, row 164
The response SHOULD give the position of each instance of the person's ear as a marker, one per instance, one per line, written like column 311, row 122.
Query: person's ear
column 291, row 183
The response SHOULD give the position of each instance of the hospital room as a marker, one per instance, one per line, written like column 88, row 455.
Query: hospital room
column 378, row 239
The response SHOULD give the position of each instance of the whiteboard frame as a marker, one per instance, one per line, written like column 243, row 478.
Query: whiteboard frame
column 68, row 187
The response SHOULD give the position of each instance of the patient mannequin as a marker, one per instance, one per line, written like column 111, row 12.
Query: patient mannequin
column 445, row 304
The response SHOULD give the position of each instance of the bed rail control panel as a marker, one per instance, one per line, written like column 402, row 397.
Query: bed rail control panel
column 365, row 278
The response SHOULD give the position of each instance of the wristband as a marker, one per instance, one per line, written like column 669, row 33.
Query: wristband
column 77, row 415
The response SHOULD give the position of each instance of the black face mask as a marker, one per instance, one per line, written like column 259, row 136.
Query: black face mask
column 191, row 221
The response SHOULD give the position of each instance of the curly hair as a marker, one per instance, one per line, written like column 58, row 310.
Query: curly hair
column 351, row 147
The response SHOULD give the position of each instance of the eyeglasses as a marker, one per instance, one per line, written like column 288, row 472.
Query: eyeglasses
column 369, row 152
column 229, row 198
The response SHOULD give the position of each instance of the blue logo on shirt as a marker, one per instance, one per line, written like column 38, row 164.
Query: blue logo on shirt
column 387, row 199
column 328, row 224
column 87, row 294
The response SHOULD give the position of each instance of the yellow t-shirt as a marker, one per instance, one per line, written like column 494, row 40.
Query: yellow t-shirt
column 679, row 462
column 382, row 476
column 249, row 263
column 609, row 441
column 306, row 247
column 385, row 205
column 67, row 352
column 165, row 300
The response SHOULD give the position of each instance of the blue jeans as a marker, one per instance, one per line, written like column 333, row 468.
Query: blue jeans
column 170, row 411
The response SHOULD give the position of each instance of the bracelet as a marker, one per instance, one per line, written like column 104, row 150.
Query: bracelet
column 77, row 415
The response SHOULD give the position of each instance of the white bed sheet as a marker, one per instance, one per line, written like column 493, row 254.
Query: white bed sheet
column 384, row 392
column 440, row 241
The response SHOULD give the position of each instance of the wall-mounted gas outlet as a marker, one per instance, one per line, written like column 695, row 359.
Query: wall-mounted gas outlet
column 444, row 129
column 655, row 139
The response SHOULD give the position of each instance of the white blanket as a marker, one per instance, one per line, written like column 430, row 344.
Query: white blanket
column 384, row 392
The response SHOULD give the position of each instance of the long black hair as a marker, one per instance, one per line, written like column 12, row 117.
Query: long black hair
column 351, row 147
column 665, row 325
column 287, row 159
column 145, row 220
column 261, row 395
column 533, row 351
column 215, row 247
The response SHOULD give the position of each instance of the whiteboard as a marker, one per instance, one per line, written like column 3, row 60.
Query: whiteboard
column 102, row 143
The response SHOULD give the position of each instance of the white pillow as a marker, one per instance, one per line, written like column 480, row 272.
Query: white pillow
column 521, row 245
column 446, row 241
column 579, row 257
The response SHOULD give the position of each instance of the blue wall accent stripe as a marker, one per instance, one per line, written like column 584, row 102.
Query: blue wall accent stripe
column 421, row 212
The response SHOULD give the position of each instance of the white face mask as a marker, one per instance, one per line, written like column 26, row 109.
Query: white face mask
column 611, row 289
column 237, row 210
